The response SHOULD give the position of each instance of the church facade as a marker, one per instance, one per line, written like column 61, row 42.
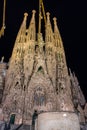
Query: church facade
column 37, row 76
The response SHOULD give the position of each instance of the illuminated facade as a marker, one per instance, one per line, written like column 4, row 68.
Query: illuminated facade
column 37, row 77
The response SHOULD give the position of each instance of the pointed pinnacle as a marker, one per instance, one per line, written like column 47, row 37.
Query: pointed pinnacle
column 55, row 20
column 34, row 11
column 25, row 14
column 48, row 15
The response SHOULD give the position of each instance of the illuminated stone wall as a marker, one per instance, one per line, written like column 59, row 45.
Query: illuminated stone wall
column 58, row 121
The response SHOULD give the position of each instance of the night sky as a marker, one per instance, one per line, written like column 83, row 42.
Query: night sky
column 71, row 16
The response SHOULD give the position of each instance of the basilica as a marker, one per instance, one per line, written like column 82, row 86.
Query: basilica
column 37, row 77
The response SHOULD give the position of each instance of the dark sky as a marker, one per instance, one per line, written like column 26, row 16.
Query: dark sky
column 71, row 15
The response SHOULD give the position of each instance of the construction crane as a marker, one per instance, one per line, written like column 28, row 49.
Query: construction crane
column 41, row 12
column 3, row 21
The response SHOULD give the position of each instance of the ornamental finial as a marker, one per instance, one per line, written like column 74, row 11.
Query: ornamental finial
column 55, row 20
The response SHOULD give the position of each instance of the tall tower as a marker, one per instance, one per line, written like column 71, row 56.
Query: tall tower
column 37, row 77
column 63, row 82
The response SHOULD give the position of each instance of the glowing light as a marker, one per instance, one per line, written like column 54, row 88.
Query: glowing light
column 64, row 114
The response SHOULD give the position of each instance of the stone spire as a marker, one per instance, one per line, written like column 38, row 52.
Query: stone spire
column 50, row 50
column 62, row 78
column 13, row 98
column 32, row 29
column 77, row 93
column 60, row 54
column 81, row 97
column 58, row 40
column 49, row 33
column 21, row 34
column 21, row 37
column 59, row 45
column 29, row 49
column 16, row 59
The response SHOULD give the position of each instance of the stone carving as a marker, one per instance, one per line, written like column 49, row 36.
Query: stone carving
column 39, row 97
column 85, row 112
column 76, row 90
